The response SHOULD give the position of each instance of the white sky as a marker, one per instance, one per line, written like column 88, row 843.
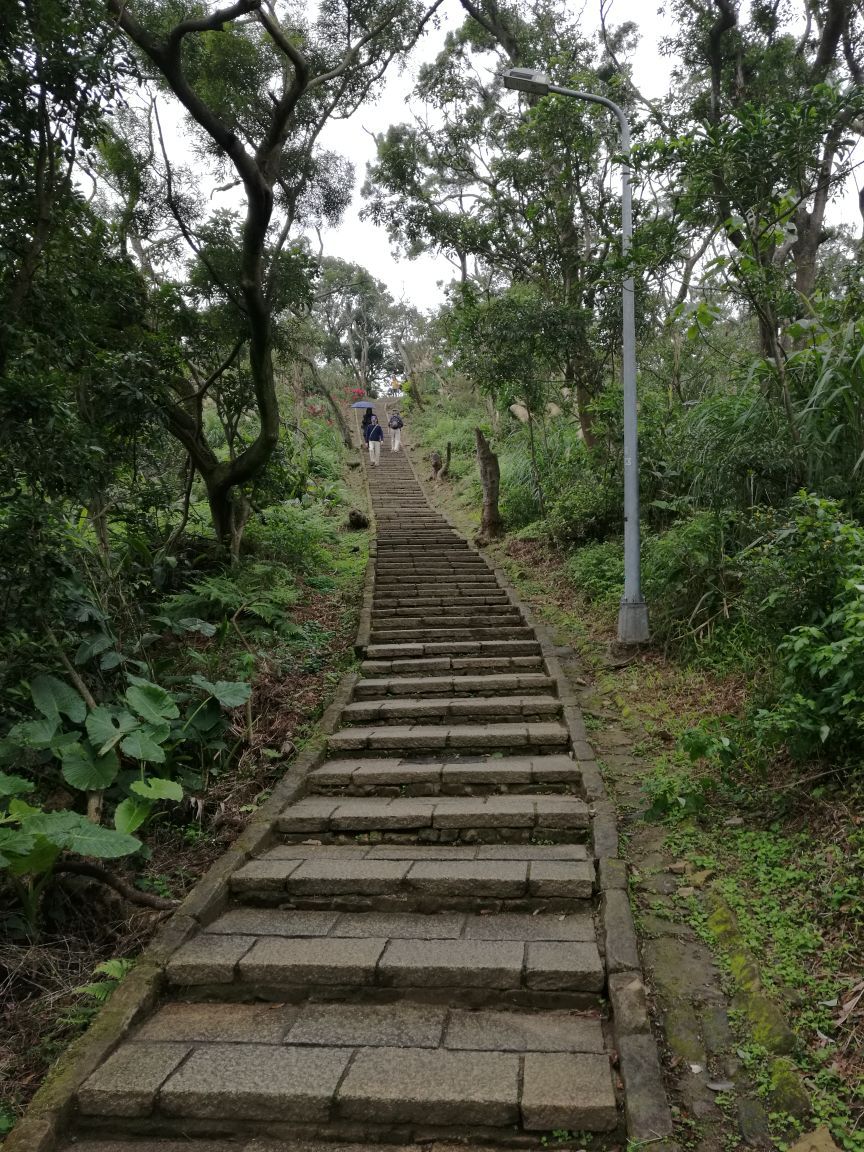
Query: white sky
column 421, row 281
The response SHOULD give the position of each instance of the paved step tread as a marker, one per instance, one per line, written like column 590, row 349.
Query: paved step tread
column 438, row 1088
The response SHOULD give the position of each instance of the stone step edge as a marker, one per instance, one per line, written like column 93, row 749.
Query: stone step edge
column 229, row 1089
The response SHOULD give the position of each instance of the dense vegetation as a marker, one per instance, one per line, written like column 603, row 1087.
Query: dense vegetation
column 176, row 355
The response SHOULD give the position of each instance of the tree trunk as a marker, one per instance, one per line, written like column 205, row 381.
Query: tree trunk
column 445, row 471
column 491, row 526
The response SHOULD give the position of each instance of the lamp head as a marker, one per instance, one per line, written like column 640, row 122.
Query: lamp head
column 527, row 80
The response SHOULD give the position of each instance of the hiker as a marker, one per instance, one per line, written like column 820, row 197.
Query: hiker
column 374, row 436
column 437, row 463
column 395, row 424
column 367, row 416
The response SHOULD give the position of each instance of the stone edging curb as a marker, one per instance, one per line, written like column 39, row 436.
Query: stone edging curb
column 646, row 1108
column 51, row 1108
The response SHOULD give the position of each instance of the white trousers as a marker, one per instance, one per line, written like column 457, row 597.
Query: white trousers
column 375, row 451
column 395, row 438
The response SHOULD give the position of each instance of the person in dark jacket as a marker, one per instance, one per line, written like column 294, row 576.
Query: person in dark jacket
column 395, row 424
column 374, row 437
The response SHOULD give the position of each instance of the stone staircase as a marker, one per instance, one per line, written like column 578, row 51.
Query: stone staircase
column 415, row 958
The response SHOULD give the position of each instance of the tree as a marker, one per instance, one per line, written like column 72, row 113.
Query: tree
column 514, row 198
column 356, row 314
column 261, row 89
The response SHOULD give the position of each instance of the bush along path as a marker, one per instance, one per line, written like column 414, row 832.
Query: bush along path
column 431, row 941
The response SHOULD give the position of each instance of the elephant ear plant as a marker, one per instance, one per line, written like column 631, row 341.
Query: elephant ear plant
column 127, row 755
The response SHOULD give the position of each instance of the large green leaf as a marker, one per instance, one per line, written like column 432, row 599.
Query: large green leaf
column 105, row 726
column 130, row 814
column 152, row 702
column 35, row 734
column 141, row 746
column 91, row 647
column 229, row 693
column 14, row 785
column 53, row 697
column 74, row 833
column 14, row 843
column 84, row 770
column 157, row 788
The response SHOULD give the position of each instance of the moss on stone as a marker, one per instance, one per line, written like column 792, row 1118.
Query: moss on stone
column 745, row 971
column 787, row 1093
column 767, row 1024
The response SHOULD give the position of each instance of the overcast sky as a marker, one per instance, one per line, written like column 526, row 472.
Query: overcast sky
column 418, row 281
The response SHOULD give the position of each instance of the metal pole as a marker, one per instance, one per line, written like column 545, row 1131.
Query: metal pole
column 633, row 613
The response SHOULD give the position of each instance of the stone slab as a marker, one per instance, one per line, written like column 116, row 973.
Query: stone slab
column 524, row 1031
column 398, row 1086
column 127, row 1083
column 560, row 966
column 311, row 960
column 255, row 1082
column 264, row 873
column 452, row 963
column 399, row 925
column 208, row 959
column 571, row 879
column 564, row 1091
column 579, row 927
column 539, row 852
column 504, row 879
column 219, row 1023
column 332, row 877
column 369, row 1025
column 272, row 922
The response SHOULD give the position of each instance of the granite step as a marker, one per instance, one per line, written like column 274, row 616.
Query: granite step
column 448, row 709
column 472, row 776
column 459, row 665
column 416, row 877
column 427, row 635
column 411, row 651
column 424, row 618
column 480, row 737
column 244, row 1089
column 538, row 814
column 444, row 608
column 503, row 684
column 374, row 957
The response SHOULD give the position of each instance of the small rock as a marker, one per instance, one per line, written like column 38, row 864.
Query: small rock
column 734, row 822
column 721, row 1085
column 678, row 868
column 818, row 1141
column 697, row 879
column 753, row 1123
column 686, row 891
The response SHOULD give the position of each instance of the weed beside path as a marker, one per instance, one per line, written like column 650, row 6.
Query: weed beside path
column 749, row 894
column 51, row 987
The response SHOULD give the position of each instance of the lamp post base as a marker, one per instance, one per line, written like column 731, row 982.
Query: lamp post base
column 633, row 622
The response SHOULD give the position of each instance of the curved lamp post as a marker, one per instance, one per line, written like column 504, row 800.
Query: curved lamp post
column 633, row 613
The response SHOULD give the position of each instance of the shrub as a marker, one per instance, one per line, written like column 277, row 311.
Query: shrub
column 597, row 570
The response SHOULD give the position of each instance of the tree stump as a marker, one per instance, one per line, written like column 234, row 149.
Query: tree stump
column 491, row 526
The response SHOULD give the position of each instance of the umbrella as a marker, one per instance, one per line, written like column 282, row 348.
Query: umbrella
column 363, row 404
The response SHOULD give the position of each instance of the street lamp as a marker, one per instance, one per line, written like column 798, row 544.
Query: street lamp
column 633, row 613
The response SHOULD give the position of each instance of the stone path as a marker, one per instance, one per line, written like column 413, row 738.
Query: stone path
column 416, row 957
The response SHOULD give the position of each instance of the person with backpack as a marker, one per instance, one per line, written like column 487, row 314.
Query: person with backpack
column 374, row 436
column 395, row 424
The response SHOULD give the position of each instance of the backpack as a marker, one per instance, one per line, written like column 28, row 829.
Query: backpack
column 395, row 422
